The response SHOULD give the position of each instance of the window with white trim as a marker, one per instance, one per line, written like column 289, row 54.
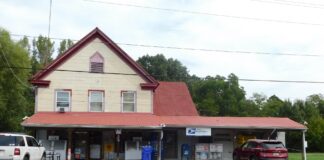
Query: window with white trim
column 63, row 98
column 96, row 63
column 128, row 101
column 96, row 101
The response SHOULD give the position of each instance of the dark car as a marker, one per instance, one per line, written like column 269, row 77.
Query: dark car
column 256, row 149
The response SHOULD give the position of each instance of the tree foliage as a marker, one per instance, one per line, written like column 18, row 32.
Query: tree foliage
column 223, row 96
column 14, row 90
column 64, row 45
column 43, row 49
column 164, row 69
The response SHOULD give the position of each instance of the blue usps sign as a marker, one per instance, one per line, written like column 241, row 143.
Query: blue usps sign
column 198, row 131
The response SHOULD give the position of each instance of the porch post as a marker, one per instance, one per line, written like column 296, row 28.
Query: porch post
column 160, row 145
column 69, row 144
column 304, row 145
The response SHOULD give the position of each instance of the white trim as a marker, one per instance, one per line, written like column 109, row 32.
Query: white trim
column 102, row 100
column 36, row 99
column 55, row 99
column 135, row 101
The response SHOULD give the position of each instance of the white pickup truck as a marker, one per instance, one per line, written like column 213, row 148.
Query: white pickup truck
column 14, row 146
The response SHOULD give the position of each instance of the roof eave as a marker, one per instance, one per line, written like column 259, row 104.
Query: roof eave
column 34, row 125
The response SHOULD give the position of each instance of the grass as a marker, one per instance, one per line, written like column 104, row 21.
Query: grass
column 310, row 156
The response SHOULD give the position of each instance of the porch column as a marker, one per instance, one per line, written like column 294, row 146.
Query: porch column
column 160, row 145
column 69, row 149
column 304, row 145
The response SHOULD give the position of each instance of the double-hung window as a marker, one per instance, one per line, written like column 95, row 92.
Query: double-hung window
column 128, row 101
column 96, row 101
column 63, row 99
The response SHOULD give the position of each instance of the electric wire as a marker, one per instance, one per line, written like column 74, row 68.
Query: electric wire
column 204, row 13
column 289, row 4
column 195, row 49
column 299, row 2
column 134, row 74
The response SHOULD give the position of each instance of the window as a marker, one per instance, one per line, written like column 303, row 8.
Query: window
column 31, row 142
column 96, row 63
column 11, row 140
column 63, row 98
column 128, row 101
column 96, row 101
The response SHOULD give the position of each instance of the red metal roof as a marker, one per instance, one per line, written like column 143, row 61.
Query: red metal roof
column 147, row 121
column 173, row 99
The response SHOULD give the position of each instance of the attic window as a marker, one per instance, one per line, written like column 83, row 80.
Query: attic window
column 96, row 63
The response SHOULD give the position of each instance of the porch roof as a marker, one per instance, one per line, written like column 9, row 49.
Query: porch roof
column 151, row 121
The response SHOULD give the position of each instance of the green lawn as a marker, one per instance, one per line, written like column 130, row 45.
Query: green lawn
column 310, row 156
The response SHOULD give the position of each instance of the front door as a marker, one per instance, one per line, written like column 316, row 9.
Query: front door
column 80, row 145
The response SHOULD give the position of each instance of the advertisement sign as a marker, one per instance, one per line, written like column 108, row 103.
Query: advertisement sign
column 198, row 131
column 216, row 147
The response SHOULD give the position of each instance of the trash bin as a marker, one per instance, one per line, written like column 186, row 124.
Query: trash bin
column 147, row 152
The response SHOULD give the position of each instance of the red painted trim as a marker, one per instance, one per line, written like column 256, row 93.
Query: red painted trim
column 149, row 86
column 40, row 83
column 96, row 33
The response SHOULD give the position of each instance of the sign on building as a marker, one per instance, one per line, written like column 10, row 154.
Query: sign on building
column 198, row 131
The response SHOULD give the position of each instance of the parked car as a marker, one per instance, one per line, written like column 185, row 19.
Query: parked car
column 15, row 146
column 256, row 149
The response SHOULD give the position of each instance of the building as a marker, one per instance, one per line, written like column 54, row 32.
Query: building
column 95, row 102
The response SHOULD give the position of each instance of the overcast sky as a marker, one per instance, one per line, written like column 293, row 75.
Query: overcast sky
column 271, row 26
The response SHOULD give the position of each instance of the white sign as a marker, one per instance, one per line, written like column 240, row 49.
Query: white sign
column 198, row 131
column 216, row 147
column 53, row 138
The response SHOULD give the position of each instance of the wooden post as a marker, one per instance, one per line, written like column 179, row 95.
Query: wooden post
column 160, row 145
column 69, row 150
column 304, row 145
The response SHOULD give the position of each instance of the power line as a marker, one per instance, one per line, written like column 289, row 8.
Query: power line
column 198, row 49
column 299, row 2
column 289, row 3
column 133, row 74
column 204, row 13
column 7, row 62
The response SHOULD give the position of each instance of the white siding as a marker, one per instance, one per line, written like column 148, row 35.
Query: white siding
column 81, row 82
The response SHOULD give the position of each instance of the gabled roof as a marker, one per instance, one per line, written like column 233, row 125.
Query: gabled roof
column 150, row 121
column 37, row 79
column 173, row 99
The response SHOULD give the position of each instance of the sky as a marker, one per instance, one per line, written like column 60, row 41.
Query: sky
column 242, row 27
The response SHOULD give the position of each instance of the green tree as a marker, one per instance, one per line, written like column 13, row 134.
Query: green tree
column 218, row 96
column 13, row 83
column 272, row 106
column 43, row 49
column 164, row 69
column 64, row 45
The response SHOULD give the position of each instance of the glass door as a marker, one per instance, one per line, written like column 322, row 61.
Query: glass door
column 80, row 145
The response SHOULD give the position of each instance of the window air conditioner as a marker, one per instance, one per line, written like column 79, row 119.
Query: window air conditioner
column 61, row 110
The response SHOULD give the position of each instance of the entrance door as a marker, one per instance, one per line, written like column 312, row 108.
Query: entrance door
column 80, row 145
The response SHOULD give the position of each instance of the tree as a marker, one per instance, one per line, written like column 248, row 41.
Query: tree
column 218, row 96
column 13, row 83
column 164, row 69
column 43, row 49
column 64, row 45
